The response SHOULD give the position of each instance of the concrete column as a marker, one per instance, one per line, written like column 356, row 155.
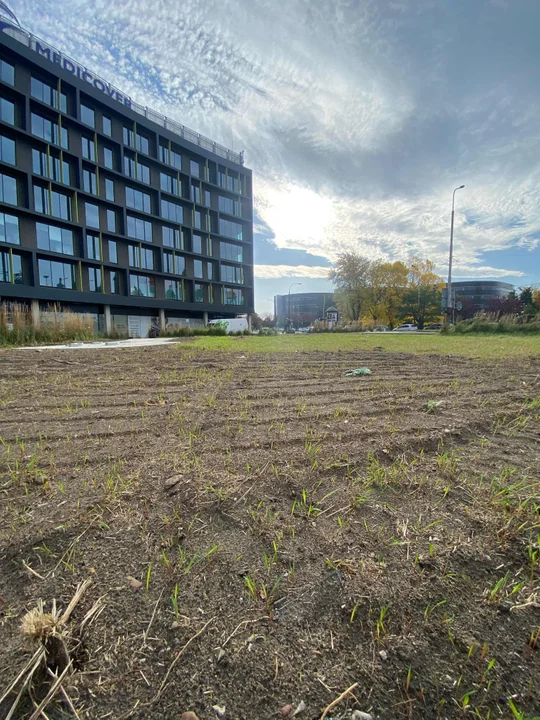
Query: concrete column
column 162, row 321
column 205, row 318
column 249, row 321
column 36, row 317
column 108, row 319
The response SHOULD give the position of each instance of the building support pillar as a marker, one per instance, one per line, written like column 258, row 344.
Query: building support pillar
column 36, row 316
column 249, row 321
column 205, row 318
column 108, row 319
column 162, row 320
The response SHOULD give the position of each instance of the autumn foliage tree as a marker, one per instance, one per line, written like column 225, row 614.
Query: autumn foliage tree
column 386, row 292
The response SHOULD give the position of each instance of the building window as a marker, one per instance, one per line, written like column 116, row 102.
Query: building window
column 48, row 94
column 107, row 126
column 108, row 158
column 173, row 290
column 52, row 202
column 136, row 170
column 198, row 220
column 88, row 149
column 94, row 279
column 138, row 200
column 8, row 189
column 195, row 194
column 7, row 150
column 9, row 229
column 232, row 274
column 7, row 72
column 209, row 271
column 93, row 247
column 111, row 220
column 114, row 280
column 109, row 189
column 50, row 167
column 113, row 252
column 174, row 264
column 55, row 239
column 230, row 229
column 92, row 215
column 138, row 228
column 141, row 257
column 170, row 184
column 172, row 211
column 88, row 116
column 170, row 157
column 207, row 200
column 198, row 292
column 194, row 168
column 10, row 268
column 232, row 207
column 173, row 238
column 143, row 286
column 198, row 268
column 56, row 274
column 90, row 182
column 233, row 296
column 49, row 131
column 197, row 244
column 135, row 140
column 7, row 111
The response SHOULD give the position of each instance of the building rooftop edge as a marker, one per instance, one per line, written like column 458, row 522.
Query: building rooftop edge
column 29, row 40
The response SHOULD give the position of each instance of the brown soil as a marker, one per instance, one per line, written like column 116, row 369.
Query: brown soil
column 320, row 530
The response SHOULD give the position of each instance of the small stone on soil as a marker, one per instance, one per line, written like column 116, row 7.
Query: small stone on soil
column 300, row 708
column 383, row 654
column 359, row 715
column 188, row 716
column 220, row 712
column 134, row 583
column 286, row 710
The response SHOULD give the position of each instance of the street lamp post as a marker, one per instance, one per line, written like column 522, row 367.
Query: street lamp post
column 449, row 303
column 289, row 304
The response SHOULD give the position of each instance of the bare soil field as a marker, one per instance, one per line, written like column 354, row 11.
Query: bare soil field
column 259, row 530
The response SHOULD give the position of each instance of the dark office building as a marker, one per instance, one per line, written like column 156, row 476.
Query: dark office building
column 304, row 307
column 477, row 295
column 109, row 208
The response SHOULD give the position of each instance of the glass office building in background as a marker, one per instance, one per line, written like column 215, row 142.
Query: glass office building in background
column 109, row 208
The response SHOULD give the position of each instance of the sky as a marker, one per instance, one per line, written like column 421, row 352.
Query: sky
column 357, row 117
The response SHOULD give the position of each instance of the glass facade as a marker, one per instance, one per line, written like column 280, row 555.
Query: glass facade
column 8, row 189
column 48, row 94
column 61, row 165
column 7, row 150
column 56, row 274
column 49, row 131
column 55, row 239
column 142, row 286
column 9, row 229
column 10, row 268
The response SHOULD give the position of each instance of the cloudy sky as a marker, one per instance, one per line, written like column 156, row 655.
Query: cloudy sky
column 358, row 118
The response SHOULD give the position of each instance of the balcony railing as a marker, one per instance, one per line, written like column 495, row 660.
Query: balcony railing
column 26, row 38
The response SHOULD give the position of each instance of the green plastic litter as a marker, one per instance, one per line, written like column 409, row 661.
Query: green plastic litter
column 359, row 371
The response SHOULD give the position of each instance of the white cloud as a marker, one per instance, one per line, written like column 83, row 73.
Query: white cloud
column 358, row 118
column 280, row 271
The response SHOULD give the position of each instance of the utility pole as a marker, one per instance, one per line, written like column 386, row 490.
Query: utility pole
column 449, row 301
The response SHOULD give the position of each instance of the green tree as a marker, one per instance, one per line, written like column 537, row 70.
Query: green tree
column 422, row 299
column 350, row 278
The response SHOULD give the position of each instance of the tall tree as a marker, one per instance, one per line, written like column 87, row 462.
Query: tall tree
column 350, row 278
column 422, row 300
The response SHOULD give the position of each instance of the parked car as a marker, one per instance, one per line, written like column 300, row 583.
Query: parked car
column 407, row 327
column 433, row 326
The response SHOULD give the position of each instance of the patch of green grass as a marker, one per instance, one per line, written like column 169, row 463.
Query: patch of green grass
column 485, row 346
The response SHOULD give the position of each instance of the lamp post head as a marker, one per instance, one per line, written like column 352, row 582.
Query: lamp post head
column 461, row 187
